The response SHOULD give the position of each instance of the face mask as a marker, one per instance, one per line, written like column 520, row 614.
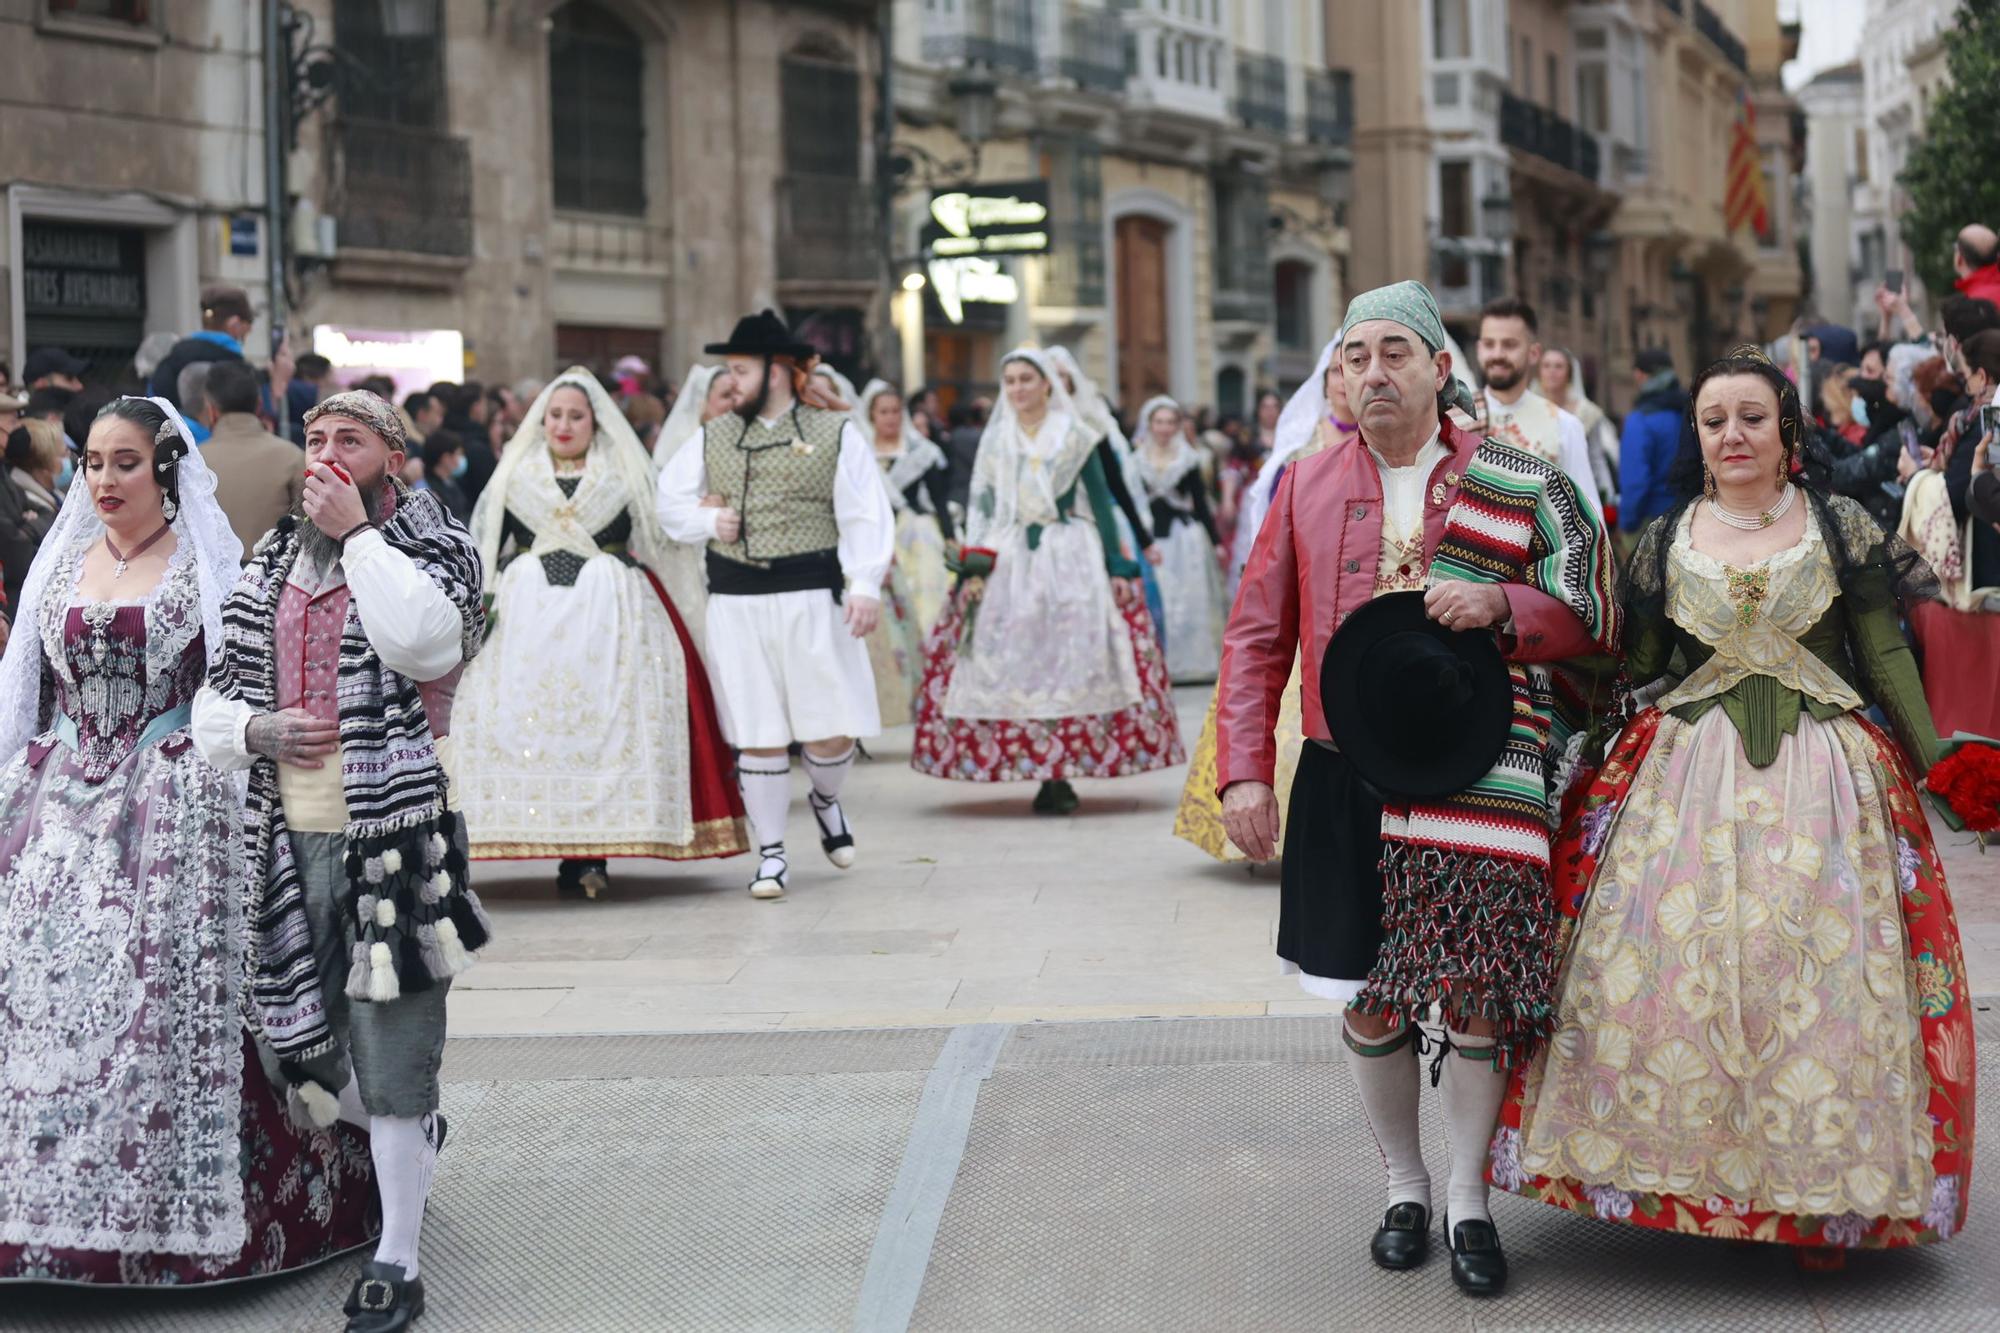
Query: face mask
column 68, row 471
column 1858, row 409
column 458, row 468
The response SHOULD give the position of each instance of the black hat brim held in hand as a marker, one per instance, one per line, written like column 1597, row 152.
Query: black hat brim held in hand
column 1419, row 709
column 761, row 334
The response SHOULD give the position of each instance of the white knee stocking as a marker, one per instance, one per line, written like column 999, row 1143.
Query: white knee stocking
column 1472, row 1088
column 767, row 797
column 1389, row 1080
column 405, row 1162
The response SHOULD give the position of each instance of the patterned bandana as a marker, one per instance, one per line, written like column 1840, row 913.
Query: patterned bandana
column 364, row 407
column 1411, row 304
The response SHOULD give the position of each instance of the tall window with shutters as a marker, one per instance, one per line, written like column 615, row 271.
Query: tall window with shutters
column 391, row 75
column 597, row 111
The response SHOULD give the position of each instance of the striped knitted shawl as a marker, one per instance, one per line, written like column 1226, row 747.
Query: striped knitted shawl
column 1517, row 519
column 413, row 911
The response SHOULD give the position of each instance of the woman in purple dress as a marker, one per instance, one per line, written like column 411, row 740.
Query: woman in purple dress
column 140, row 1141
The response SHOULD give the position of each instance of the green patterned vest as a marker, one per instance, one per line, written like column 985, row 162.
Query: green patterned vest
column 779, row 477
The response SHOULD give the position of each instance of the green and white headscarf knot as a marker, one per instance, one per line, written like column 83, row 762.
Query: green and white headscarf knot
column 1412, row 305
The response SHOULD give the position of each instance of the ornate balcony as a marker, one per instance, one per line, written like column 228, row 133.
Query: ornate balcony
column 1260, row 93
column 1330, row 106
column 1093, row 49
column 403, row 190
column 996, row 33
column 1537, row 130
column 1710, row 25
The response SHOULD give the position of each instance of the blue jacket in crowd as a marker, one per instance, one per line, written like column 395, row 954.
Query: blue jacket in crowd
column 1646, row 452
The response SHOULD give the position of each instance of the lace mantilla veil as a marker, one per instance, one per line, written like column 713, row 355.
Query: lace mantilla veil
column 684, row 422
column 198, row 523
column 1015, row 480
column 615, row 445
column 1096, row 413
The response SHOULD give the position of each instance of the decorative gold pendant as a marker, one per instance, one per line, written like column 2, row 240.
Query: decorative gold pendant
column 1437, row 493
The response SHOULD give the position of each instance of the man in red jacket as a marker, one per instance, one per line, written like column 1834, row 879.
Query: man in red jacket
column 1346, row 525
column 1976, row 259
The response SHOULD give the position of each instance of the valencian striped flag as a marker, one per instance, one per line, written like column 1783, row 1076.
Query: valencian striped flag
column 1743, row 199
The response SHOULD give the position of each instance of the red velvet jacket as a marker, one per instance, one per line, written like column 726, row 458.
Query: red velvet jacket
column 1314, row 561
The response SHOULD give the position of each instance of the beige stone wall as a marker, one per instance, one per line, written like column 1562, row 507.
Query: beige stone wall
column 707, row 244
column 178, row 119
column 1381, row 43
column 1545, row 23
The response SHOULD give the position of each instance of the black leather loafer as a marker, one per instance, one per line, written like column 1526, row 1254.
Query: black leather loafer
column 382, row 1300
column 1404, row 1238
column 1478, row 1265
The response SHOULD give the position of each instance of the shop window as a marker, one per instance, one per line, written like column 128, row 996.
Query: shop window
column 597, row 111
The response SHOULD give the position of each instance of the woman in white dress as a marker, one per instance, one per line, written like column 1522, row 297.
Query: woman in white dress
column 918, row 478
column 586, row 729
column 1190, row 577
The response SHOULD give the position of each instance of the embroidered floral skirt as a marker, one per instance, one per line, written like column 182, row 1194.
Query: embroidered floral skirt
column 308, row 1195
column 1138, row 739
column 1762, row 1025
column 895, row 651
column 1199, row 818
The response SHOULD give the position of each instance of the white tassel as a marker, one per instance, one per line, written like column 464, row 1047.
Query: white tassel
column 438, row 847
column 321, row 1107
column 385, row 913
column 455, row 957
column 382, row 982
column 392, row 860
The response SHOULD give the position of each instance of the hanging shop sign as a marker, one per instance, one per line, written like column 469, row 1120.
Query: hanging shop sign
column 1002, row 218
column 970, row 280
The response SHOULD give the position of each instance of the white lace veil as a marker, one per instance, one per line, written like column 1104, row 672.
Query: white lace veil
column 1008, row 490
column 1095, row 411
column 684, row 422
column 919, row 455
column 198, row 524
column 1297, row 424
column 615, row 445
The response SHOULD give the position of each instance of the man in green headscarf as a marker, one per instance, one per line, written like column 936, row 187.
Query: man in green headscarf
column 1390, row 904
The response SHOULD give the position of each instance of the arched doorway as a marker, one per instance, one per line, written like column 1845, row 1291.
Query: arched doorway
column 1144, row 363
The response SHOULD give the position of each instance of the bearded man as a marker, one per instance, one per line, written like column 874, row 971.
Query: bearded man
column 1391, row 906
column 1510, row 352
column 347, row 635
column 787, row 496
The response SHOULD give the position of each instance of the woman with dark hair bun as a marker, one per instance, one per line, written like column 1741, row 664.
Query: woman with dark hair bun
column 1762, row 1027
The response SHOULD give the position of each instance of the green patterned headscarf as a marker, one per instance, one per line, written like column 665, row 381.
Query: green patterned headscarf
column 1412, row 305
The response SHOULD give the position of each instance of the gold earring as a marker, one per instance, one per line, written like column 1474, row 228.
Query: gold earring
column 1707, row 484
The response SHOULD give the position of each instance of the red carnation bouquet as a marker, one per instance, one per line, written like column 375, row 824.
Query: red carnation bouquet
column 1967, row 781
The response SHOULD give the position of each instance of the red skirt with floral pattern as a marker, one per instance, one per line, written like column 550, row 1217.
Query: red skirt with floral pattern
column 1138, row 739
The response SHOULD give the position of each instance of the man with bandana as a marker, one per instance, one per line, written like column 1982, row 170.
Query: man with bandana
column 787, row 496
column 346, row 637
column 1379, row 902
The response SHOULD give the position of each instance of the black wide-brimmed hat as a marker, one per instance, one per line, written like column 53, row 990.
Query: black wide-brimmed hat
column 762, row 334
column 1420, row 710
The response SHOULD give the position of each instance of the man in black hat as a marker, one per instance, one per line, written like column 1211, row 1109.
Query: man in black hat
column 787, row 495
column 1412, row 883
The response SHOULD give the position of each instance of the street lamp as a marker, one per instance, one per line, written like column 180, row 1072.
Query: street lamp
column 1498, row 210
column 976, row 94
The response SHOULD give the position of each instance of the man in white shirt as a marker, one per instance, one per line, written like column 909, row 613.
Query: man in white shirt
column 345, row 639
column 1510, row 351
column 787, row 496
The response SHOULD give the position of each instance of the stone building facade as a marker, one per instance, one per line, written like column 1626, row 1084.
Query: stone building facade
column 1194, row 155
column 568, row 181
column 131, row 170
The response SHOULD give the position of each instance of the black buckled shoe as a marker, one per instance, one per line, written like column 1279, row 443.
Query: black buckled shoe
column 1404, row 1238
column 382, row 1300
column 1478, row 1265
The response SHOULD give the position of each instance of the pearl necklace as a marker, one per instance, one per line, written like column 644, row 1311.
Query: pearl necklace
column 1755, row 522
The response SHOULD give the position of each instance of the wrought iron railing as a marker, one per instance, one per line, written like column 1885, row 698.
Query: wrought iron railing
column 404, row 189
column 999, row 33
column 1093, row 48
column 1330, row 106
column 1537, row 130
column 1260, row 93
column 1710, row 25
column 828, row 229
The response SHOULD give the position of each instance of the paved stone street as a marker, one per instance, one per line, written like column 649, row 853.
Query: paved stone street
column 1010, row 1074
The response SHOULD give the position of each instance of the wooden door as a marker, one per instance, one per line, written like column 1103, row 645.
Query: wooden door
column 1142, row 310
